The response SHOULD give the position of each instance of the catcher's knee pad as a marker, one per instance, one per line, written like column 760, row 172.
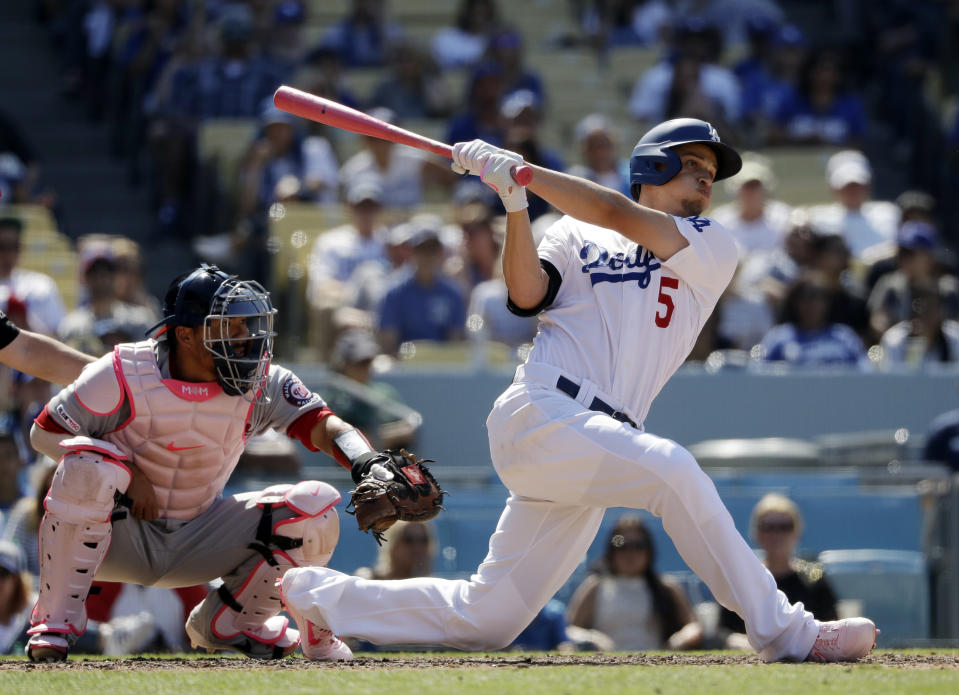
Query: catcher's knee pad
column 74, row 533
column 300, row 520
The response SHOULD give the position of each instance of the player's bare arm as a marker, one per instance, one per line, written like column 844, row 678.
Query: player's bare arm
column 44, row 358
column 526, row 280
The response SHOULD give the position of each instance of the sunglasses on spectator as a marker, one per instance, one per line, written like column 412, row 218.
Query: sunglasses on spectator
column 418, row 540
column 776, row 526
column 4, row 573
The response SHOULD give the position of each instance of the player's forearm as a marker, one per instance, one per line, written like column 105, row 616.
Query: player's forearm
column 47, row 443
column 45, row 358
column 525, row 279
column 604, row 207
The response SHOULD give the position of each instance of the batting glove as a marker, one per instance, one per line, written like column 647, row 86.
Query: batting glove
column 493, row 165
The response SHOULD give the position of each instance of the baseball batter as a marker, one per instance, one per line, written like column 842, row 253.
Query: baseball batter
column 622, row 288
column 159, row 426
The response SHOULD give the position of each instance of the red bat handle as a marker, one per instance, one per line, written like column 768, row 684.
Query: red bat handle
column 332, row 113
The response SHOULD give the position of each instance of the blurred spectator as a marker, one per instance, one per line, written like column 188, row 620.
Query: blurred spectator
column 371, row 278
column 364, row 37
column 481, row 115
column 756, row 220
column 25, row 515
column 130, row 287
column 322, row 74
column 925, row 337
column 773, row 273
column 102, row 314
column 611, row 23
column 891, row 299
column 425, row 304
column 745, row 315
column 412, row 88
column 914, row 206
column 598, row 142
column 20, row 180
column 710, row 339
column 829, row 260
column 286, row 42
column 627, row 600
column 522, row 116
column 281, row 165
column 776, row 524
column 366, row 408
column 868, row 226
column 403, row 170
column 689, row 82
column 464, row 43
column 506, row 50
column 233, row 84
column 821, row 108
column 475, row 260
column 16, row 599
column 805, row 337
column 30, row 298
column 338, row 252
column 489, row 316
column 11, row 464
column 730, row 16
column 755, row 71
column 407, row 551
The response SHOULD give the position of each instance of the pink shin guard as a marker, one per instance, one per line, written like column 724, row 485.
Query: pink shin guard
column 74, row 535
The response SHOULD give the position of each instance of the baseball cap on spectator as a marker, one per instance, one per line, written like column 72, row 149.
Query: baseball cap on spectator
column 236, row 23
column 289, row 12
column 916, row 203
column 917, row 235
column 593, row 123
column 355, row 346
column 518, row 102
column 846, row 167
column 426, row 233
column 270, row 115
column 755, row 168
column 790, row 35
column 400, row 234
column 11, row 557
column 365, row 189
column 95, row 257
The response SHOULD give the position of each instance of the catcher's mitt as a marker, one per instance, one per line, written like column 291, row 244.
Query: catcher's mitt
column 393, row 485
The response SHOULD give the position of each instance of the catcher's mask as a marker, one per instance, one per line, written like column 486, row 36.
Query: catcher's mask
column 237, row 320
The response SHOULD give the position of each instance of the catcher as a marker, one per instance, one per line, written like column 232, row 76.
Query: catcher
column 147, row 438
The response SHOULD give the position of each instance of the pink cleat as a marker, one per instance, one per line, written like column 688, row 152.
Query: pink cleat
column 843, row 640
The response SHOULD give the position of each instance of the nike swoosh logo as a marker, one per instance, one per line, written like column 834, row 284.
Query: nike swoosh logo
column 172, row 447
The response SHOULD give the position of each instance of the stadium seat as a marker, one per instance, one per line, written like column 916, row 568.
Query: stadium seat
column 891, row 586
column 46, row 250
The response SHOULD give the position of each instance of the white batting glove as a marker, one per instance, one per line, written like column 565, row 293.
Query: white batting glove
column 493, row 165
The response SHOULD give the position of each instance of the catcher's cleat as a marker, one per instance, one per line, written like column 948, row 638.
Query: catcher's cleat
column 283, row 642
column 843, row 640
column 47, row 647
column 317, row 643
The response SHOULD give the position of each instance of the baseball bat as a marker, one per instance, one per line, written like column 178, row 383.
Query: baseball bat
column 332, row 113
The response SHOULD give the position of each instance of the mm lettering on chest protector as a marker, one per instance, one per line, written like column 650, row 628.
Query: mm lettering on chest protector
column 636, row 265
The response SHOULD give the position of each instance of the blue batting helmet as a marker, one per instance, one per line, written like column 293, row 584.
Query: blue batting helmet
column 654, row 162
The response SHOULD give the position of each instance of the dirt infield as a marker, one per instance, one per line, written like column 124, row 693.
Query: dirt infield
column 931, row 660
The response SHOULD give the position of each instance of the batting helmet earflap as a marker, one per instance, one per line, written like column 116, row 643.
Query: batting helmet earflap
column 654, row 162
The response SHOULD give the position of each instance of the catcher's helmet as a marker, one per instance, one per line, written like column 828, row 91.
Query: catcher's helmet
column 654, row 162
column 210, row 298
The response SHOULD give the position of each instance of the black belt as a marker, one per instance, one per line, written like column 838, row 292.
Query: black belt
column 571, row 388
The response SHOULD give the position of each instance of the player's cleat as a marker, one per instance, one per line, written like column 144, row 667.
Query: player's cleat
column 317, row 643
column 283, row 643
column 843, row 640
column 46, row 647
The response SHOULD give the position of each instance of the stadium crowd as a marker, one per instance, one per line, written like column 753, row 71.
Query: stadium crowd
column 866, row 279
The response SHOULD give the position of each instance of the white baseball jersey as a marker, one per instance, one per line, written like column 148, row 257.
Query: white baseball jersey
column 623, row 318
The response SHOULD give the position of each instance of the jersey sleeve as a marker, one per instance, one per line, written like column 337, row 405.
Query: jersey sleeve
column 556, row 244
column 289, row 398
column 707, row 265
column 92, row 405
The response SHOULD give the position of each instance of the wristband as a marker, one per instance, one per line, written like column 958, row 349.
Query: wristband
column 350, row 448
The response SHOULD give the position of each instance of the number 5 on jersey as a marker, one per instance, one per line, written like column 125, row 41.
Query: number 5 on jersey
column 666, row 300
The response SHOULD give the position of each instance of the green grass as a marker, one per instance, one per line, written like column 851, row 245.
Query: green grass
column 376, row 679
